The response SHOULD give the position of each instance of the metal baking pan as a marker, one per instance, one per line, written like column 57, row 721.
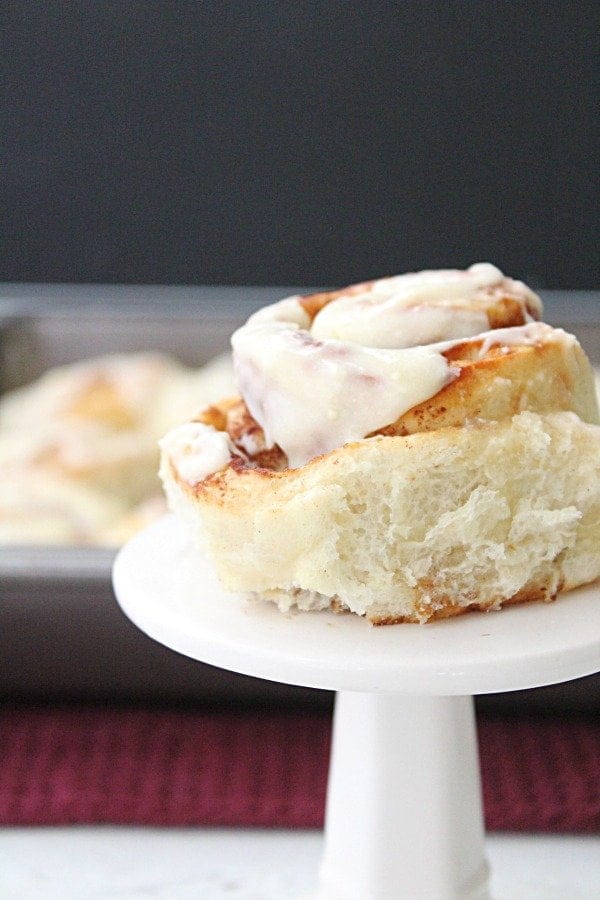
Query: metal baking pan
column 61, row 632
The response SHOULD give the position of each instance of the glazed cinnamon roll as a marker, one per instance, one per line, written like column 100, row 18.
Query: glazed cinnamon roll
column 78, row 448
column 406, row 449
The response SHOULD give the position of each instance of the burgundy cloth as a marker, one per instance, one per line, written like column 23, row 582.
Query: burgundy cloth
column 152, row 767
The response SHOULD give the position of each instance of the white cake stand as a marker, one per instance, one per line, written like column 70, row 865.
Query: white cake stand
column 404, row 817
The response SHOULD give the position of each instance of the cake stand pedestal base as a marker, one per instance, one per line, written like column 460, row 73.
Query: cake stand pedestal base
column 404, row 815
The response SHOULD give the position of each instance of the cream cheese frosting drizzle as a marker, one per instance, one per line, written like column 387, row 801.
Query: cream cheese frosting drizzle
column 366, row 358
column 197, row 450
column 420, row 308
column 313, row 396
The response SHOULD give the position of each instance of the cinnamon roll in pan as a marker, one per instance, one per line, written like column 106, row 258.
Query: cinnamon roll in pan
column 78, row 448
column 410, row 477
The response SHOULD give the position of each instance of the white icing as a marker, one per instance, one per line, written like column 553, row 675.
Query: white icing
column 390, row 324
column 411, row 309
column 311, row 396
column 288, row 310
column 197, row 450
column 365, row 360
column 252, row 443
column 531, row 333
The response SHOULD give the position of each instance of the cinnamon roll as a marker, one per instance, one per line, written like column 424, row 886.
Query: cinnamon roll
column 407, row 449
column 78, row 448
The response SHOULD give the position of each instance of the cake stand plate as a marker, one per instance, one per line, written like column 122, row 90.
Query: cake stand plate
column 403, row 817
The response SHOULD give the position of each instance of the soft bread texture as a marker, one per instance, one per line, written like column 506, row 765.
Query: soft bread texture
column 411, row 528
column 487, row 493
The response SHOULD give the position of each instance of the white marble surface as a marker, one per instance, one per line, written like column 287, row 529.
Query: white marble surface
column 230, row 864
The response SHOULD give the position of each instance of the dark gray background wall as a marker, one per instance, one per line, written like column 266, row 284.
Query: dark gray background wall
column 297, row 142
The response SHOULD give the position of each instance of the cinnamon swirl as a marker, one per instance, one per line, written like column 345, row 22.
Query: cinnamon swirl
column 407, row 449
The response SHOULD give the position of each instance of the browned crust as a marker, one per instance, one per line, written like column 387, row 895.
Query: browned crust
column 538, row 377
column 447, row 608
column 233, row 416
column 216, row 415
column 507, row 312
